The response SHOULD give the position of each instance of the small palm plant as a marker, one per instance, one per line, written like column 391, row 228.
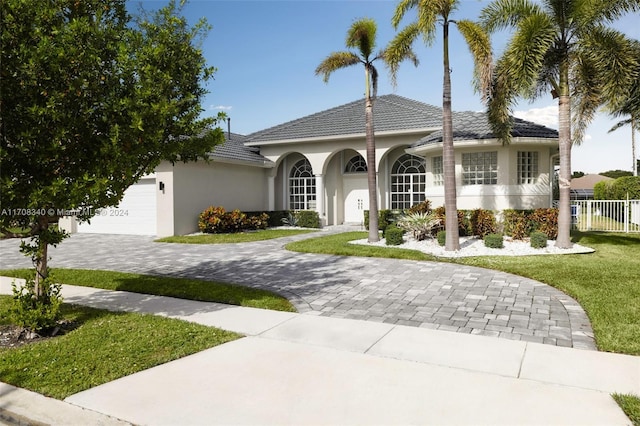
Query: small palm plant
column 421, row 225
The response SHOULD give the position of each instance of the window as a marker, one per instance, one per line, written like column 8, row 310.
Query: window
column 437, row 170
column 357, row 164
column 480, row 168
column 302, row 187
column 407, row 182
column 527, row 167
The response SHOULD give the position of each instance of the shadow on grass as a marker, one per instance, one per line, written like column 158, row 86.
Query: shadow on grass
column 605, row 238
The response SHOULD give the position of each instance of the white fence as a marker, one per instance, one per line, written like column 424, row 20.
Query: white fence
column 606, row 215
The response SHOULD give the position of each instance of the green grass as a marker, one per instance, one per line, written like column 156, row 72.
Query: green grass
column 240, row 237
column 339, row 244
column 104, row 346
column 183, row 288
column 630, row 404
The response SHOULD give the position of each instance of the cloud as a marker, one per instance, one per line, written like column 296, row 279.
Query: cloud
column 221, row 107
column 547, row 116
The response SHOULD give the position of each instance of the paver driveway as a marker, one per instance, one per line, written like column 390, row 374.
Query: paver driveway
column 436, row 295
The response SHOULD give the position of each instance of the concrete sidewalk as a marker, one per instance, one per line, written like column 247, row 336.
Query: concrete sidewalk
column 307, row 369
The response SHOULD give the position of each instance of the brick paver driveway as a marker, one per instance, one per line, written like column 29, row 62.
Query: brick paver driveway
column 435, row 295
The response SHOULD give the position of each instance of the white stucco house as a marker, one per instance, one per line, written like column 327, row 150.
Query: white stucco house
column 318, row 163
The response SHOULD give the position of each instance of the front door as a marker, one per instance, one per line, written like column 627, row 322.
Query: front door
column 356, row 199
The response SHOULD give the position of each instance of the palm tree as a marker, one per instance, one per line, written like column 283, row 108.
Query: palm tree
column 629, row 106
column 562, row 47
column 362, row 36
column 431, row 13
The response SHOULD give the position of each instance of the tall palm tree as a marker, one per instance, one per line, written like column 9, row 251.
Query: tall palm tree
column 362, row 36
column 563, row 47
column 629, row 105
column 430, row 13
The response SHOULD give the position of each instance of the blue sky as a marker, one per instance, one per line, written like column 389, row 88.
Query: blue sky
column 266, row 52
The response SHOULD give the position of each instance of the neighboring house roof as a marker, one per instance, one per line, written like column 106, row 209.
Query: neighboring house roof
column 234, row 149
column 587, row 181
column 390, row 113
column 475, row 125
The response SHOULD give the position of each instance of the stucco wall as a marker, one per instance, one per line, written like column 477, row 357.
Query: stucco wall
column 195, row 186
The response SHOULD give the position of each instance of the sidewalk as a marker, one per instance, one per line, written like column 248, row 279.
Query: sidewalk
column 308, row 369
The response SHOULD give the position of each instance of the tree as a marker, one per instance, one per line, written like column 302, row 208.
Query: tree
column 629, row 105
column 429, row 14
column 362, row 36
column 577, row 175
column 565, row 48
column 615, row 174
column 91, row 100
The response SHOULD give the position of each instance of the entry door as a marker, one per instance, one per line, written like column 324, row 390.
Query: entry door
column 356, row 198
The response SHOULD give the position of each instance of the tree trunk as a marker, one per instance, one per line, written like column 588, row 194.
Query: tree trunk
column 41, row 257
column 633, row 145
column 374, row 236
column 452, row 241
column 564, row 180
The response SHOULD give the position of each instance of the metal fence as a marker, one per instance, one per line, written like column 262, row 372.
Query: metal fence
column 606, row 215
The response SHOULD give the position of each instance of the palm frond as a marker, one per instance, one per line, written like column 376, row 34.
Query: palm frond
column 336, row 61
column 500, row 103
column 607, row 11
column 620, row 124
column 480, row 46
column 586, row 95
column 401, row 10
column 400, row 49
column 502, row 14
column 362, row 36
column 525, row 54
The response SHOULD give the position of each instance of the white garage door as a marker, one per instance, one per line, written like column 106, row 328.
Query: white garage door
column 136, row 213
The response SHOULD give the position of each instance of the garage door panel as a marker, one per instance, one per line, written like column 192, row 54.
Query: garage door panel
column 136, row 213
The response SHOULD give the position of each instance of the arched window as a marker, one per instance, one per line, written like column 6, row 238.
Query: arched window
column 357, row 164
column 407, row 182
column 302, row 187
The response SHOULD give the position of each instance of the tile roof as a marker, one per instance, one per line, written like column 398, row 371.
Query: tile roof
column 391, row 112
column 234, row 148
column 475, row 125
column 588, row 181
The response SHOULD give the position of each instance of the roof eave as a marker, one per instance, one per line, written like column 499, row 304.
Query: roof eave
column 422, row 131
column 465, row 143
column 266, row 164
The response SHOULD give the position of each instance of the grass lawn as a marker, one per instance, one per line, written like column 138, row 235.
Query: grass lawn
column 183, row 288
column 104, row 346
column 240, row 237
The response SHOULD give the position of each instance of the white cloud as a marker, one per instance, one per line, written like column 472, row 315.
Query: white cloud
column 221, row 107
column 547, row 116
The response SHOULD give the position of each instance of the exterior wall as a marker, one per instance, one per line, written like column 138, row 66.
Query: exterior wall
column 507, row 193
column 328, row 159
column 190, row 188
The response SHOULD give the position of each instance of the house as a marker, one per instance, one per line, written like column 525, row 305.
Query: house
column 317, row 162
column 582, row 187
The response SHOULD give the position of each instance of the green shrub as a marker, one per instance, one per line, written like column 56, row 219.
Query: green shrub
column 493, row 241
column 274, row 218
column 34, row 314
column 421, row 225
column 308, row 219
column 442, row 237
column 385, row 218
column 626, row 186
column 538, row 239
column 393, row 235
column 423, row 207
column 603, row 190
column 483, row 222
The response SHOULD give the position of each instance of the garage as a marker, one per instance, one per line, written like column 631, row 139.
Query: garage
column 136, row 213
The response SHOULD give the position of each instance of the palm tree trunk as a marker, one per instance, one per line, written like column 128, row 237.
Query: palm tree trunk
column 633, row 145
column 564, row 138
column 452, row 241
column 374, row 236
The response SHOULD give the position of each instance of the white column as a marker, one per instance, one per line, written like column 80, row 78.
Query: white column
column 271, row 192
column 320, row 197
